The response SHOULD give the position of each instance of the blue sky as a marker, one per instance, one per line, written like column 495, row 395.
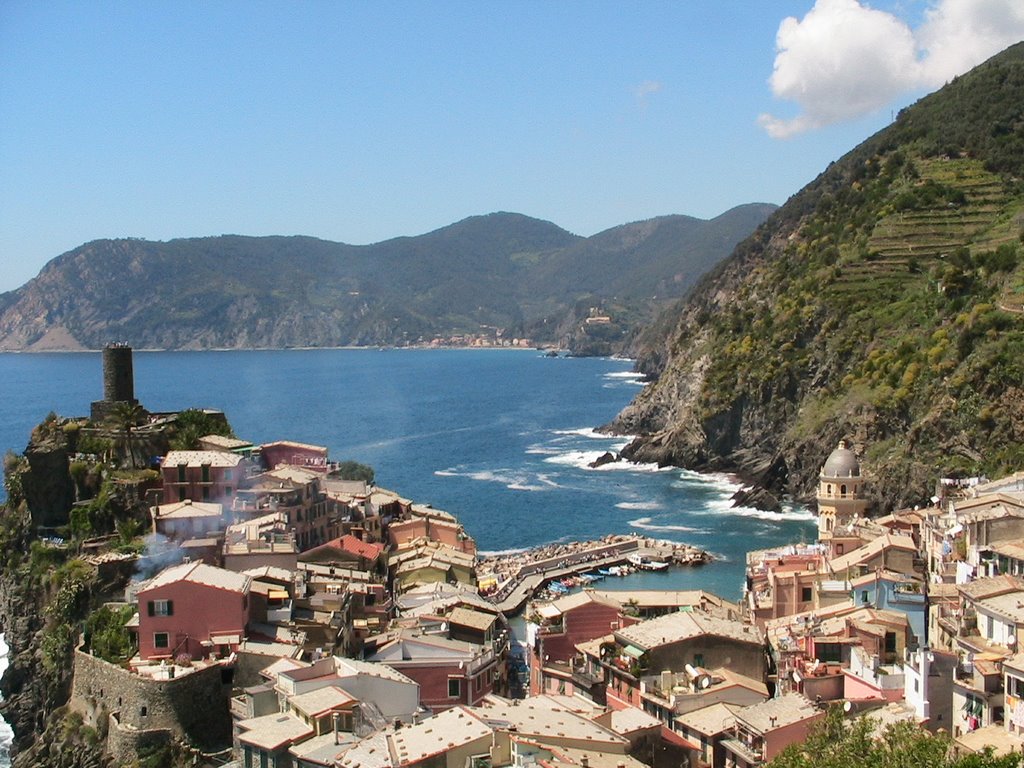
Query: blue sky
column 358, row 122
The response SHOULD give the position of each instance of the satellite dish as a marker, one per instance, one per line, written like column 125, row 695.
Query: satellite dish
column 705, row 681
column 1011, row 640
column 847, row 707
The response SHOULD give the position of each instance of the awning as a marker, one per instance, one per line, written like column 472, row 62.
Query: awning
column 632, row 650
column 278, row 594
column 225, row 639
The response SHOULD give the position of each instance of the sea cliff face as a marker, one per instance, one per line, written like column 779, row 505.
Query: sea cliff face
column 882, row 304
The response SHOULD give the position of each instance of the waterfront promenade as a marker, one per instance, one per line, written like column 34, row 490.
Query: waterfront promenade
column 519, row 576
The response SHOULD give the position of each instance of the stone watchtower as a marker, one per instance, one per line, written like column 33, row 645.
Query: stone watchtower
column 840, row 491
column 118, row 380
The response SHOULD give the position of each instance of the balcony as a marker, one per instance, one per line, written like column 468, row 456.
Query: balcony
column 586, row 678
column 240, row 708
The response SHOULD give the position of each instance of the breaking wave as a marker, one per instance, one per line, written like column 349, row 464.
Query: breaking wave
column 647, row 524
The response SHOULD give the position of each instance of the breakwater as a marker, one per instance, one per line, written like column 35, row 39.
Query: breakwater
column 510, row 580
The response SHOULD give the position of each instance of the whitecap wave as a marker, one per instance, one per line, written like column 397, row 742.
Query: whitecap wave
column 624, row 375
column 583, row 460
column 514, row 481
column 648, row 524
column 588, row 432
column 639, row 505
column 788, row 514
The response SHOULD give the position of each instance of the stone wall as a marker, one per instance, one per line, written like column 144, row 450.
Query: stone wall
column 193, row 707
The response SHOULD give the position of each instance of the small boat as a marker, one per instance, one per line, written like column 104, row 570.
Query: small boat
column 647, row 564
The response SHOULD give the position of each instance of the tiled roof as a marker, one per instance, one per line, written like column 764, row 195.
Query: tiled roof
column 710, row 721
column 271, row 732
column 871, row 549
column 367, row 549
column 199, row 573
column 178, row 510
column 547, row 723
column 315, row 703
column 777, row 713
column 200, row 458
column 674, row 627
column 981, row 589
column 465, row 617
column 452, row 728
column 632, row 719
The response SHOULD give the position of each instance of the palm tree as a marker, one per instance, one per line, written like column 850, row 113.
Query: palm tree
column 126, row 415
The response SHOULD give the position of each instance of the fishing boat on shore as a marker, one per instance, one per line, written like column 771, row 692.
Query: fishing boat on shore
column 646, row 563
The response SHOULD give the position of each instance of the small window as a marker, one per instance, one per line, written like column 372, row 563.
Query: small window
column 206, row 473
column 864, row 596
column 454, row 687
column 160, row 607
column 698, row 659
column 181, row 473
column 181, row 494
column 806, row 594
column 161, row 640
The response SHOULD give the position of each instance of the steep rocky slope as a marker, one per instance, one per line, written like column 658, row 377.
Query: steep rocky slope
column 883, row 303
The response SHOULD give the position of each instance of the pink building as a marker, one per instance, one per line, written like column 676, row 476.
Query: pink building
column 291, row 454
column 762, row 731
column 447, row 532
column 562, row 624
column 193, row 609
column 449, row 672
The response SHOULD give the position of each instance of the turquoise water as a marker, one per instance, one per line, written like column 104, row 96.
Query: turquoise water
column 500, row 438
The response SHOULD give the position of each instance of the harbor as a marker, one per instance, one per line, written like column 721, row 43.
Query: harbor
column 510, row 580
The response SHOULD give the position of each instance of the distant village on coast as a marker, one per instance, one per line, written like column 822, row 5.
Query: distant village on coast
column 283, row 614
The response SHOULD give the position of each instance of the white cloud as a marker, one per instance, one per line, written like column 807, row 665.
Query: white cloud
column 845, row 59
column 645, row 90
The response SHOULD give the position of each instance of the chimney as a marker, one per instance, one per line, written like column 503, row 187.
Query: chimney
column 773, row 719
column 398, row 724
column 585, row 762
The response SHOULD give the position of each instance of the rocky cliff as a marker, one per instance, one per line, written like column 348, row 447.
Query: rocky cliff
column 883, row 303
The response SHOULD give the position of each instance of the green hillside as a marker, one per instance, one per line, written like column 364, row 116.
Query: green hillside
column 500, row 271
column 884, row 303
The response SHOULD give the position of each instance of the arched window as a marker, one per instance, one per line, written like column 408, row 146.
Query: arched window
column 830, row 489
column 842, row 491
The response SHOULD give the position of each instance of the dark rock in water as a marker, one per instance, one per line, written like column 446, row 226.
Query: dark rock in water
column 606, row 458
column 757, row 497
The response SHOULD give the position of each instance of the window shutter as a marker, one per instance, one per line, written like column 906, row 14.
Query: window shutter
column 170, row 607
column 150, row 608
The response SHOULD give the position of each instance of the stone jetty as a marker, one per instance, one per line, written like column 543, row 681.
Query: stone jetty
column 509, row 580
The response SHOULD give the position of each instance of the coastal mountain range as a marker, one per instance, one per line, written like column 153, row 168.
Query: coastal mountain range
column 506, row 272
column 882, row 304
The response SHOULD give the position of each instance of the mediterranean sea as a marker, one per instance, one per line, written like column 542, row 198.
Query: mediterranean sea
column 499, row 438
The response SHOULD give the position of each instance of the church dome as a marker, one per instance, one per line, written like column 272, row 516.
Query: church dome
column 842, row 462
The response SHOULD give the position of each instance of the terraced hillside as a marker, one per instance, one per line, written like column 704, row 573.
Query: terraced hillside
column 884, row 303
